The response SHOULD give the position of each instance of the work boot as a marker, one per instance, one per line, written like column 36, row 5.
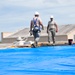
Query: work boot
column 53, row 44
column 49, row 42
column 36, row 44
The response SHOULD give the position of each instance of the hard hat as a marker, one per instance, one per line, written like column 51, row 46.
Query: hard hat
column 19, row 39
column 36, row 13
column 51, row 16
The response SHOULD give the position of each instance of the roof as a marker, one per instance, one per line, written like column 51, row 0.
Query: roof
column 63, row 30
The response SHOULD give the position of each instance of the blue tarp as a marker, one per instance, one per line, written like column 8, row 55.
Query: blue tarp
column 53, row 60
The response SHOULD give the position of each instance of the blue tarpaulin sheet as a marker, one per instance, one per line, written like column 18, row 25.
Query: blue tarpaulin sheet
column 50, row 60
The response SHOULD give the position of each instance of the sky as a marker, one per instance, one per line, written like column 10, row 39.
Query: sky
column 17, row 14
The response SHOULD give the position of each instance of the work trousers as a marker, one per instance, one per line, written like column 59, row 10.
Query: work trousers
column 51, row 34
column 36, row 37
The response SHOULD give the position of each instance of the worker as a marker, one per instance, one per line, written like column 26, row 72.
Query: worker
column 35, row 27
column 52, row 28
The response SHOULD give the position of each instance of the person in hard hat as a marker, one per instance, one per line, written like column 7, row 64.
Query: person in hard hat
column 52, row 28
column 35, row 27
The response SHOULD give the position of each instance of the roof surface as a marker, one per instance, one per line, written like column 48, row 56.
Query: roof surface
column 63, row 30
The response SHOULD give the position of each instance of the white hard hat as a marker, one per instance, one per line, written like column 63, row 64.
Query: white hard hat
column 36, row 13
column 19, row 38
column 51, row 16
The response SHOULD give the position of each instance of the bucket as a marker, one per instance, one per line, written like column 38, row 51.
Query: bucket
column 70, row 41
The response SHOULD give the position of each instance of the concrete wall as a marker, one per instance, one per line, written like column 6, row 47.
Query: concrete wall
column 8, row 40
column 45, row 38
column 5, row 34
column 4, row 38
column 71, row 35
column 59, row 38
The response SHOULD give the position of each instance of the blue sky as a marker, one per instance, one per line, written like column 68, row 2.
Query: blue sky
column 16, row 14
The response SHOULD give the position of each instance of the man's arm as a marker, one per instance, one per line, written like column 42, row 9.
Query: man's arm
column 56, row 27
column 41, row 24
column 31, row 28
column 30, row 25
column 48, row 27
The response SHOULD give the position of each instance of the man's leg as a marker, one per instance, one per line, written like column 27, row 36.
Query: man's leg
column 49, row 36
column 34, row 34
column 36, row 38
column 53, row 36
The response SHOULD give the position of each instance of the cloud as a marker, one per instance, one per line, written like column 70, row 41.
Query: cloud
column 17, row 12
column 37, row 4
column 22, row 3
column 58, row 3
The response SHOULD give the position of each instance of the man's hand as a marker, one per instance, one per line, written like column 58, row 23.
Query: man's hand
column 30, row 32
column 56, row 30
column 47, row 31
